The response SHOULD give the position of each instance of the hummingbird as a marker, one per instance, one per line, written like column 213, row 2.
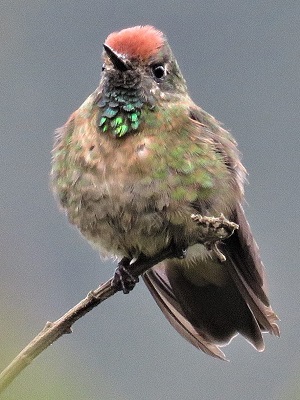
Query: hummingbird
column 130, row 167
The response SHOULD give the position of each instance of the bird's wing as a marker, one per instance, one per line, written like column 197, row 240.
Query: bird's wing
column 247, row 271
column 209, row 315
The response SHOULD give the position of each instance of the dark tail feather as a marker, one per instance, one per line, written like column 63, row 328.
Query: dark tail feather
column 158, row 285
column 210, row 315
column 247, row 271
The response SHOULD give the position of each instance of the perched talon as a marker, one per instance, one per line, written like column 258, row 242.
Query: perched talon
column 180, row 253
column 123, row 279
column 177, row 251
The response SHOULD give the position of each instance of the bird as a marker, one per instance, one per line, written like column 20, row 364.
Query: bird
column 131, row 166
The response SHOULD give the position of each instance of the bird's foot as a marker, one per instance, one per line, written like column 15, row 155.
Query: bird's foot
column 123, row 279
column 178, row 252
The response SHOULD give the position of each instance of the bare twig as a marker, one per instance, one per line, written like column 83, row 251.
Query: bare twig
column 54, row 330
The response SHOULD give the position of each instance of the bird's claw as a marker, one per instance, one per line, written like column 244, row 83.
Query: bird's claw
column 123, row 279
column 179, row 253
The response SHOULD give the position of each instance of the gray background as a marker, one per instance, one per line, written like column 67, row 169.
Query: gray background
column 241, row 62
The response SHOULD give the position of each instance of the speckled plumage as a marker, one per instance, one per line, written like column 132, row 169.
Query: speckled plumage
column 130, row 167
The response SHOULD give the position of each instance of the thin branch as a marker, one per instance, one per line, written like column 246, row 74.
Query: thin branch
column 213, row 230
column 54, row 330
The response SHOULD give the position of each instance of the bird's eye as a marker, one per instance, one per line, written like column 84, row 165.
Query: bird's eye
column 103, row 67
column 159, row 71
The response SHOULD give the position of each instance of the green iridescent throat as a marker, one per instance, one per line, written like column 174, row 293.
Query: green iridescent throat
column 121, row 112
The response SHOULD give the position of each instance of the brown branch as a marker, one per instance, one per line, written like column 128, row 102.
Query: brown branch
column 54, row 330
column 212, row 230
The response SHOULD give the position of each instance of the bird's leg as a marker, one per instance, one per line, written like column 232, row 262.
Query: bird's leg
column 123, row 279
column 213, row 230
column 177, row 252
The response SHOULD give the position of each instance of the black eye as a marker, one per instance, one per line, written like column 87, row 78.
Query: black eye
column 159, row 71
column 103, row 67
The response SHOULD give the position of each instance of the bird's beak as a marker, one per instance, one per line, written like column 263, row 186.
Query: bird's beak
column 118, row 62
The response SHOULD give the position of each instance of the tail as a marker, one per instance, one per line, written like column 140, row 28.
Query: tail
column 209, row 314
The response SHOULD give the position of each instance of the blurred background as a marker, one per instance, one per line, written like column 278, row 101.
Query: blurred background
column 241, row 63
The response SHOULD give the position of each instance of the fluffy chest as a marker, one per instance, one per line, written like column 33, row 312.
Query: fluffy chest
column 136, row 194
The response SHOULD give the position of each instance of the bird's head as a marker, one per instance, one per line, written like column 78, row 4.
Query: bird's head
column 139, row 69
column 141, row 56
